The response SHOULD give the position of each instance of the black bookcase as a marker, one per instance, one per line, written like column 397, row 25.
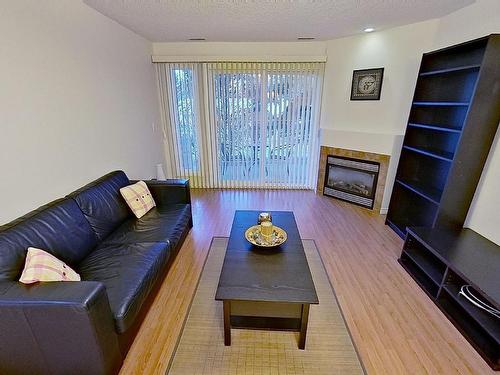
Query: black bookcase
column 453, row 120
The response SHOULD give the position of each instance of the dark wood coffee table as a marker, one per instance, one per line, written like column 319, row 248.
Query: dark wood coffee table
column 265, row 288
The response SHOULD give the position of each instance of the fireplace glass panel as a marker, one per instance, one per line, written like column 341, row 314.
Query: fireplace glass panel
column 351, row 180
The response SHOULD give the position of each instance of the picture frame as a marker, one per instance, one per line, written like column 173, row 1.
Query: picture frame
column 367, row 84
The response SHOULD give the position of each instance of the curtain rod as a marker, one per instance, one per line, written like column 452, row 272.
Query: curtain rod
column 289, row 59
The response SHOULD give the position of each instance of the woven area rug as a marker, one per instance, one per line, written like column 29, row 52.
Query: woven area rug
column 200, row 350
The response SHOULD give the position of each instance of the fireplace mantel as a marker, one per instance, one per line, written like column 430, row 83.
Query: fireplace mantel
column 382, row 159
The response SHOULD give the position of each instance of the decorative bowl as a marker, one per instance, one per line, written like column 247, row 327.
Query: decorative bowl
column 255, row 237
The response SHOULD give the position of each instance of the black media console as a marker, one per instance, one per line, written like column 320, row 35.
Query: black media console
column 443, row 260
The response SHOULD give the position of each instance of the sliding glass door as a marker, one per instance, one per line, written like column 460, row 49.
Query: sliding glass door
column 238, row 107
column 185, row 117
column 290, row 132
column 243, row 124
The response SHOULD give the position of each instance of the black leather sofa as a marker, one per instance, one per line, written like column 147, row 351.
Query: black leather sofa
column 87, row 327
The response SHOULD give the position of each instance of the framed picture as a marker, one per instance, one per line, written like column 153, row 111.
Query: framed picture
column 367, row 84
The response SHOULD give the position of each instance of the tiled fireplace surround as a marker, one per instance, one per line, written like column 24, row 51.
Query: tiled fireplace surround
column 380, row 158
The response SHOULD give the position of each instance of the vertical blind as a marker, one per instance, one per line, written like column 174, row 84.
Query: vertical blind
column 242, row 125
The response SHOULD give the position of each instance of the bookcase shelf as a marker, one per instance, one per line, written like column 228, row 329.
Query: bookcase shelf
column 434, row 153
column 435, row 127
column 418, row 209
column 455, row 87
column 443, row 103
column 464, row 54
column 446, row 116
column 399, row 228
column 431, row 194
column 450, row 70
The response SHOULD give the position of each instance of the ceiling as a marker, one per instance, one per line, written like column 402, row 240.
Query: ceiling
column 266, row 20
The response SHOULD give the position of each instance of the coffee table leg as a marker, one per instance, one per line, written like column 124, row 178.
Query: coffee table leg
column 303, row 326
column 227, row 322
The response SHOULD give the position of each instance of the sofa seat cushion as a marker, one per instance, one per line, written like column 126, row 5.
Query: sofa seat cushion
column 159, row 224
column 129, row 273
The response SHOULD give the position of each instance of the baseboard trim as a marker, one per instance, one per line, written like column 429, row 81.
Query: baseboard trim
column 383, row 211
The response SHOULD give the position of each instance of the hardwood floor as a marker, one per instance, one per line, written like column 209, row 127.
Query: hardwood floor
column 394, row 325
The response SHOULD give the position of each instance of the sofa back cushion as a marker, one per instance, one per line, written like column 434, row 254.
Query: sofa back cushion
column 58, row 227
column 102, row 204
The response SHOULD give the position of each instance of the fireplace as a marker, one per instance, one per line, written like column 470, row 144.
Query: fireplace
column 351, row 180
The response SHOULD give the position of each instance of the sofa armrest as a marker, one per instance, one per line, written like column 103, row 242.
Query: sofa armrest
column 167, row 192
column 57, row 328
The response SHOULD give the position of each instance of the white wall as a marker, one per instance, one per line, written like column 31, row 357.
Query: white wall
column 373, row 126
column 476, row 20
column 483, row 215
column 77, row 100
